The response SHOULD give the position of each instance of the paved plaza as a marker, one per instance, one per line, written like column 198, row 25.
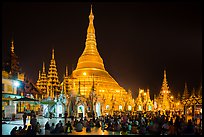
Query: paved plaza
column 6, row 128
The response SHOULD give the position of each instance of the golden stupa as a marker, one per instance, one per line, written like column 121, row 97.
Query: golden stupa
column 90, row 71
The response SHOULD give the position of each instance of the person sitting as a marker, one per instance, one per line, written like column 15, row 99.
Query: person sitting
column 98, row 123
column 88, row 127
column 79, row 127
column 52, row 128
column 91, row 122
column 13, row 131
column 103, row 125
column 38, row 130
column 68, row 128
column 61, row 128
column 47, row 126
column 18, row 132
column 23, row 131
column 29, row 131
column 124, row 131
column 57, row 128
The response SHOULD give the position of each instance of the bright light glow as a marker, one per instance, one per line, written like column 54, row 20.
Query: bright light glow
column 120, row 107
column 84, row 73
column 171, row 97
column 140, row 108
column 145, row 93
column 150, row 108
column 16, row 83
column 129, row 108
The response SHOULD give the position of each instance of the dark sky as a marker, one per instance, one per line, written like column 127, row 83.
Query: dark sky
column 137, row 41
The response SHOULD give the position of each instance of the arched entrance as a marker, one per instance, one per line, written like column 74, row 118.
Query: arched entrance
column 59, row 109
column 81, row 111
column 129, row 108
column 98, row 109
column 120, row 108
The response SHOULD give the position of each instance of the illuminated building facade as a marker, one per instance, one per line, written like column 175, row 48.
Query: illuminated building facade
column 92, row 86
column 164, row 102
column 15, row 85
column 49, row 85
column 143, row 102
column 90, row 72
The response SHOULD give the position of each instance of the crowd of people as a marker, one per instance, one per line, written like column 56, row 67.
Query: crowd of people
column 33, row 129
column 140, row 123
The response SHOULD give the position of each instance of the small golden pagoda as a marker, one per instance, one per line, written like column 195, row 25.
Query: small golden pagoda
column 143, row 101
column 42, row 81
column 90, row 72
column 165, row 101
column 53, row 86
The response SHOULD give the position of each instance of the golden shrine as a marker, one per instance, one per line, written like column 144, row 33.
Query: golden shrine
column 90, row 72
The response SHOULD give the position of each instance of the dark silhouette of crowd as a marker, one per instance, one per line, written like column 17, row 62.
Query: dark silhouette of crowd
column 33, row 129
column 147, row 123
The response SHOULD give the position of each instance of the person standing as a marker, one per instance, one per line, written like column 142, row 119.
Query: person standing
column 24, row 118
column 33, row 123
column 103, row 125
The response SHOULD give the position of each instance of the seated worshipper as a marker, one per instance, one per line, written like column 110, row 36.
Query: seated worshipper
column 98, row 123
column 23, row 131
column 38, row 130
column 52, row 128
column 68, row 128
column 88, row 127
column 79, row 127
column 30, row 131
column 14, row 131
column 19, row 131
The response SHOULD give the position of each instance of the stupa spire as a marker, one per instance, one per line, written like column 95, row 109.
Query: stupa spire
column 39, row 74
column 53, row 81
column 43, row 67
column 53, row 54
column 164, row 84
column 12, row 46
column 38, row 81
column 185, row 93
column 66, row 73
column 90, row 57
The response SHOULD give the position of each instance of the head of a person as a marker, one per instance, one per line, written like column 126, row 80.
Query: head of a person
column 29, row 127
column 25, row 126
column 53, row 124
column 19, row 128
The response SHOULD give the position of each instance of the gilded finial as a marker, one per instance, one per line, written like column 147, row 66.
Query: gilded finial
column 193, row 92
column 43, row 67
column 91, row 9
column 39, row 74
column 91, row 16
column 66, row 71
column 12, row 46
column 53, row 54
column 164, row 73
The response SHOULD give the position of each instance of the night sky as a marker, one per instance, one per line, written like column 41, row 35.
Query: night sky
column 136, row 41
